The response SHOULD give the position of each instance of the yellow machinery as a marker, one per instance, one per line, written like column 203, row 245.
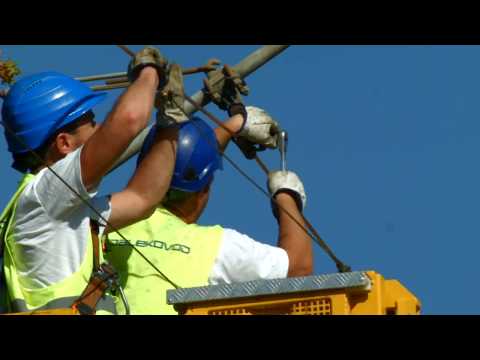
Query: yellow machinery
column 47, row 312
column 354, row 293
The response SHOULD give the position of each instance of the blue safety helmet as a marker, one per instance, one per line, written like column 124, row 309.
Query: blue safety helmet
column 38, row 105
column 198, row 156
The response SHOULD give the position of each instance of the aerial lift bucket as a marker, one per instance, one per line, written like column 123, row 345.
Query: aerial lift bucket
column 354, row 293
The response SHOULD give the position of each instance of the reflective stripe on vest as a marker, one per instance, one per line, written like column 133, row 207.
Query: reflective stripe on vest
column 184, row 253
column 61, row 294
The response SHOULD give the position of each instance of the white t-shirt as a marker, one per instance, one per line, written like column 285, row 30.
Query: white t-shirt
column 52, row 224
column 241, row 258
column 52, row 227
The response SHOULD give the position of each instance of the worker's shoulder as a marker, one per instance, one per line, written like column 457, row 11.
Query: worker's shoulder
column 63, row 170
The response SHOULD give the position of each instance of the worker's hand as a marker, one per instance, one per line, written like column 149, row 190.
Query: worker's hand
column 149, row 56
column 227, row 93
column 289, row 182
column 169, row 100
column 238, row 108
column 260, row 128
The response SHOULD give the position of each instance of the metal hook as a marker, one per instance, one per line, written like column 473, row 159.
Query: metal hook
column 282, row 147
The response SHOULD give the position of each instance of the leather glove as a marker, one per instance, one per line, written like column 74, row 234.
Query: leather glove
column 149, row 56
column 169, row 100
column 227, row 93
column 287, row 181
column 260, row 128
column 238, row 108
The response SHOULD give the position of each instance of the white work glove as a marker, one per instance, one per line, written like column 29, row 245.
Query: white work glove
column 260, row 128
column 287, row 180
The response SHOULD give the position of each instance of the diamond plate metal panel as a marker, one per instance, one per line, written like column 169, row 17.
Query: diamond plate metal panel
column 351, row 280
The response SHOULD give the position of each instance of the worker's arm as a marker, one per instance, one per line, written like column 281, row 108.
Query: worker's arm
column 288, row 191
column 149, row 183
column 293, row 239
column 251, row 123
column 129, row 116
column 153, row 175
column 234, row 124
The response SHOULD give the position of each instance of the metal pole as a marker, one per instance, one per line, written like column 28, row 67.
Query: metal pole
column 244, row 68
column 122, row 76
column 120, row 85
column 102, row 77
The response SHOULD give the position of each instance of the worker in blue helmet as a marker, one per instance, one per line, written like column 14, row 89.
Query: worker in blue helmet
column 191, row 255
column 51, row 252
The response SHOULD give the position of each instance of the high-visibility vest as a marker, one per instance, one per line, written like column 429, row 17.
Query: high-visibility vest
column 184, row 253
column 21, row 298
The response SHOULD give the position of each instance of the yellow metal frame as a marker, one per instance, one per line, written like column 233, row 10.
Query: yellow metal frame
column 48, row 312
column 385, row 297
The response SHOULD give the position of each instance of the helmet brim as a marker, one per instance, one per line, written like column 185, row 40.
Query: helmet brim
column 84, row 107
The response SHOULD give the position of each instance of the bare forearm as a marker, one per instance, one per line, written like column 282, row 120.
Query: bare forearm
column 223, row 136
column 137, row 100
column 129, row 116
column 149, row 184
column 154, row 173
column 293, row 239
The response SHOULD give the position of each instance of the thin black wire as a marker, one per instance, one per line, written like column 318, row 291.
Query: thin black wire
column 340, row 265
column 89, row 205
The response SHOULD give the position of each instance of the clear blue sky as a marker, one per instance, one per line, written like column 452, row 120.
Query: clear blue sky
column 385, row 138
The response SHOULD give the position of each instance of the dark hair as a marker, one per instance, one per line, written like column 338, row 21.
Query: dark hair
column 29, row 162
column 174, row 196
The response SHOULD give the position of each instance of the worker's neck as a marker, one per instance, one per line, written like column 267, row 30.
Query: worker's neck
column 51, row 158
column 47, row 163
column 189, row 216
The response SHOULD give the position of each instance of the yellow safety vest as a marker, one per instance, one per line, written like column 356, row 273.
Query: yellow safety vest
column 58, row 295
column 184, row 253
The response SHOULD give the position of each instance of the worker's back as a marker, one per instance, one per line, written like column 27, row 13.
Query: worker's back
column 184, row 253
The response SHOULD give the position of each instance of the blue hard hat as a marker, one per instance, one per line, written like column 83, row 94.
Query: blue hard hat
column 198, row 156
column 38, row 105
